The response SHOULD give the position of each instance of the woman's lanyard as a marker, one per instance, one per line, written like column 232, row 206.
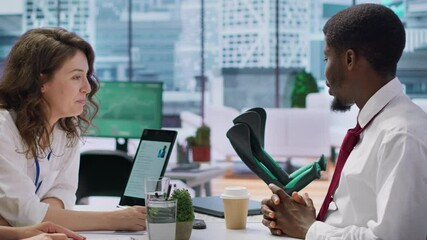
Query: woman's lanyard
column 36, row 182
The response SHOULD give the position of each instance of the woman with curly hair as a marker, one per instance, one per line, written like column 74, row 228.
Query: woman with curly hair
column 46, row 103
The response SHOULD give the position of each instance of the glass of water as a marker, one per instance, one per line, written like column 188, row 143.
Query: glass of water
column 161, row 219
column 156, row 188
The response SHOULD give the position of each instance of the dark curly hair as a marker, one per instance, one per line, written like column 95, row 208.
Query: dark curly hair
column 43, row 51
column 371, row 30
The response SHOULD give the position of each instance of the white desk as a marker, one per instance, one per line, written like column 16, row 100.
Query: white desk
column 215, row 228
column 200, row 178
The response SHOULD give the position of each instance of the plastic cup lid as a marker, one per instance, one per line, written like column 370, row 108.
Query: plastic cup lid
column 235, row 193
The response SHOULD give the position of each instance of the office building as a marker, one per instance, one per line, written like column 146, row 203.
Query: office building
column 415, row 19
column 10, row 27
column 412, row 69
column 10, row 30
column 188, row 46
column 70, row 14
column 154, row 34
column 416, row 13
column 249, row 87
column 249, row 46
column 154, row 30
column 249, row 29
column 111, row 40
column 320, row 12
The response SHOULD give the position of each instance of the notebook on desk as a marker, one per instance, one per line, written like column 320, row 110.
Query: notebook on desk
column 213, row 206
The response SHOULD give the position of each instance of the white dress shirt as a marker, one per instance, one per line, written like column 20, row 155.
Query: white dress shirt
column 382, row 193
column 20, row 205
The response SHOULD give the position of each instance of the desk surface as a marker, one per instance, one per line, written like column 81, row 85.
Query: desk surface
column 215, row 229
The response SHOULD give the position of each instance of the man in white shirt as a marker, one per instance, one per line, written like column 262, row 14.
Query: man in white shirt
column 382, row 189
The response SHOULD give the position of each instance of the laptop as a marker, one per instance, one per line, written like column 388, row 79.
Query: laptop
column 213, row 206
column 151, row 160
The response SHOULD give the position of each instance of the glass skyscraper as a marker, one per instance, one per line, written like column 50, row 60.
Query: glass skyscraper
column 155, row 26
column 73, row 15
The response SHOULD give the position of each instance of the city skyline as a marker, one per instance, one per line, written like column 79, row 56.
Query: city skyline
column 165, row 38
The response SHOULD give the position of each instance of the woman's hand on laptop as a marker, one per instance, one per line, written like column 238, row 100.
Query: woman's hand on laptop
column 129, row 218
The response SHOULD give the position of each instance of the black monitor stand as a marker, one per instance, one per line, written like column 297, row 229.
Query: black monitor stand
column 122, row 144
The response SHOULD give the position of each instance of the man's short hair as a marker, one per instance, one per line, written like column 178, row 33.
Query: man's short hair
column 371, row 30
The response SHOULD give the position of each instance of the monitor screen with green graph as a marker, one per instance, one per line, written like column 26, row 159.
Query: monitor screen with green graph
column 127, row 108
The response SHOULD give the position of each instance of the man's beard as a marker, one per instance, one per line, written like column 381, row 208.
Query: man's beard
column 339, row 106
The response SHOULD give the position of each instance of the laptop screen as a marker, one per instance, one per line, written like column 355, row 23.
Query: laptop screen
column 151, row 160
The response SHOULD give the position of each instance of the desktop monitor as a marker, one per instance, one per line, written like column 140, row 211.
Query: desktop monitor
column 126, row 109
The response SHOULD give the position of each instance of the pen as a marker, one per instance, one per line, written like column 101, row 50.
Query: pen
column 169, row 191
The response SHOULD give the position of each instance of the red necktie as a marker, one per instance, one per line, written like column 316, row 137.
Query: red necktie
column 350, row 140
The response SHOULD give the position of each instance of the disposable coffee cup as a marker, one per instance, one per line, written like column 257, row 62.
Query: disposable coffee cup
column 235, row 200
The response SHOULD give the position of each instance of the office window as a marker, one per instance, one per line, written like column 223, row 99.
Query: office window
column 161, row 41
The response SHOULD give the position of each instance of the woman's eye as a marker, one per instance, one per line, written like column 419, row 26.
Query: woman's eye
column 325, row 59
column 77, row 77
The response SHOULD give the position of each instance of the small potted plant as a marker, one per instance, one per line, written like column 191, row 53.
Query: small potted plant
column 184, row 214
column 201, row 144
column 304, row 84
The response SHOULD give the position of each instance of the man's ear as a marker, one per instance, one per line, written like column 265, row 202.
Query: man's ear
column 350, row 57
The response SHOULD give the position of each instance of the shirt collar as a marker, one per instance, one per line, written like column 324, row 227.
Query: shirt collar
column 378, row 101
